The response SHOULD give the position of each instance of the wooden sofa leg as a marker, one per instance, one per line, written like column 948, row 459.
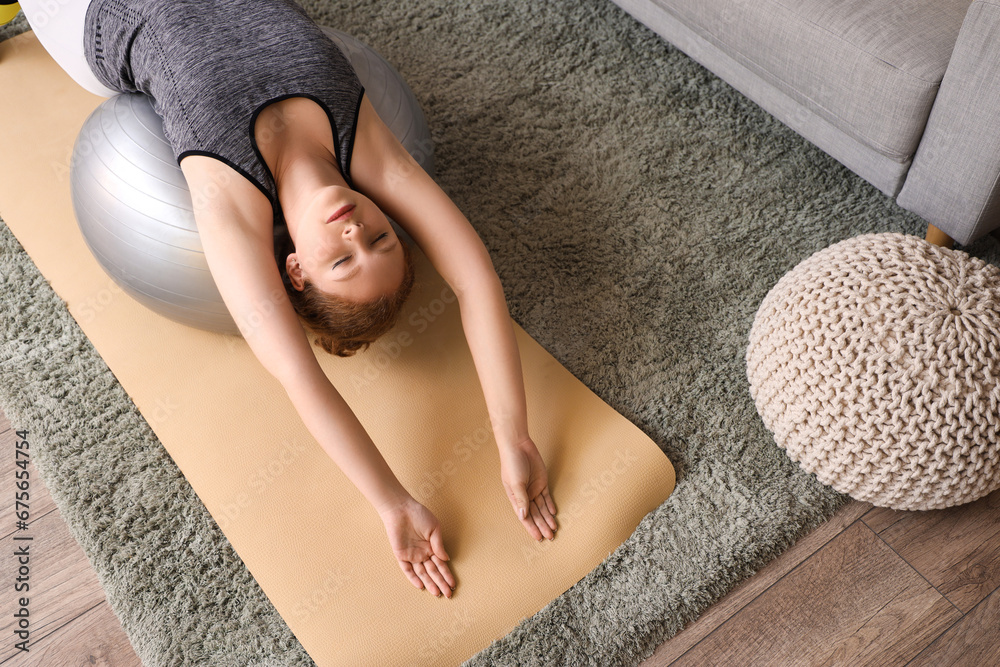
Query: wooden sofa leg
column 937, row 237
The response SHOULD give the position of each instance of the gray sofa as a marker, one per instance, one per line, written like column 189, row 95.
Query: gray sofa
column 906, row 93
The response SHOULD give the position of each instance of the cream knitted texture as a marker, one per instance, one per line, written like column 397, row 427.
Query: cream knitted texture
column 876, row 364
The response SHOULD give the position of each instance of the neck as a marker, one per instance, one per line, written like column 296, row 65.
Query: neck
column 299, row 174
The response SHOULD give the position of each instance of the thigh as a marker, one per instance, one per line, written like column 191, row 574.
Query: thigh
column 58, row 25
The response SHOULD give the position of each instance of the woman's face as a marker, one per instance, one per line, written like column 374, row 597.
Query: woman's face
column 346, row 246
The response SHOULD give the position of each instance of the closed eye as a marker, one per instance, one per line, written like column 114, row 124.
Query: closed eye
column 377, row 239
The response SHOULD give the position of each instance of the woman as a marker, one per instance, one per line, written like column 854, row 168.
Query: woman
column 270, row 124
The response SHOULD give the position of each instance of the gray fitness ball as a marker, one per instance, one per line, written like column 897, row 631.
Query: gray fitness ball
column 134, row 207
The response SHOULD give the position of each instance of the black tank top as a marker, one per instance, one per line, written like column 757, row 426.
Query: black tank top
column 211, row 66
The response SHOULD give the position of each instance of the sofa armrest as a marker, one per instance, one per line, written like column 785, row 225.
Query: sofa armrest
column 954, row 181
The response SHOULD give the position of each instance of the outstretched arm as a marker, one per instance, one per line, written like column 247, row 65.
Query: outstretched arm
column 385, row 172
column 238, row 247
column 235, row 235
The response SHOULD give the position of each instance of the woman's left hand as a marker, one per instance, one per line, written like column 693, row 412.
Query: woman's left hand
column 526, row 482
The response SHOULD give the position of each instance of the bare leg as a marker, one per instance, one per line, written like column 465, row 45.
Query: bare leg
column 937, row 237
column 58, row 25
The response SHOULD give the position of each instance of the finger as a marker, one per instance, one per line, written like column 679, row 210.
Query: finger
column 410, row 574
column 539, row 520
column 520, row 497
column 548, row 501
column 437, row 542
column 427, row 579
column 445, row 570
column 531, row 527
column 432, row 569
column 543, row 509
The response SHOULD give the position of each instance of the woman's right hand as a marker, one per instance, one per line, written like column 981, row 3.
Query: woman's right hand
column 415, row 536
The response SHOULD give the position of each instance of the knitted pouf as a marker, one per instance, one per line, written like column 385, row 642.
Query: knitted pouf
column 876, row 364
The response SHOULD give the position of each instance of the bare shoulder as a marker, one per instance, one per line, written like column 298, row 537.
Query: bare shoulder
column 238, row 243
column 219, row 192
column 377, row 152
column 383, row 170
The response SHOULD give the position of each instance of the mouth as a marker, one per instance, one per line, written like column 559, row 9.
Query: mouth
column 341, row 213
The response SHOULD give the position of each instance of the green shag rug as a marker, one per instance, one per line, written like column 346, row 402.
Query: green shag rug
column 637, row 210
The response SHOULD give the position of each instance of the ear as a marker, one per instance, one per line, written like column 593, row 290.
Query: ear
column 294, row 270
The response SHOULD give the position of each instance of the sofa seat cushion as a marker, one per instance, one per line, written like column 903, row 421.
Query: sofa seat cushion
column 869, row 67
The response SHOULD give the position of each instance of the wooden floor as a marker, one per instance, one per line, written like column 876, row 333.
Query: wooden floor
column 869, row 587
column 70, row 622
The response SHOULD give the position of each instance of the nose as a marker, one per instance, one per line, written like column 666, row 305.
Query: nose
column 350, row 226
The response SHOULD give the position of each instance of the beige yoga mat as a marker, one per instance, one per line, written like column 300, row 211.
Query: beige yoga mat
column 308, row 536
